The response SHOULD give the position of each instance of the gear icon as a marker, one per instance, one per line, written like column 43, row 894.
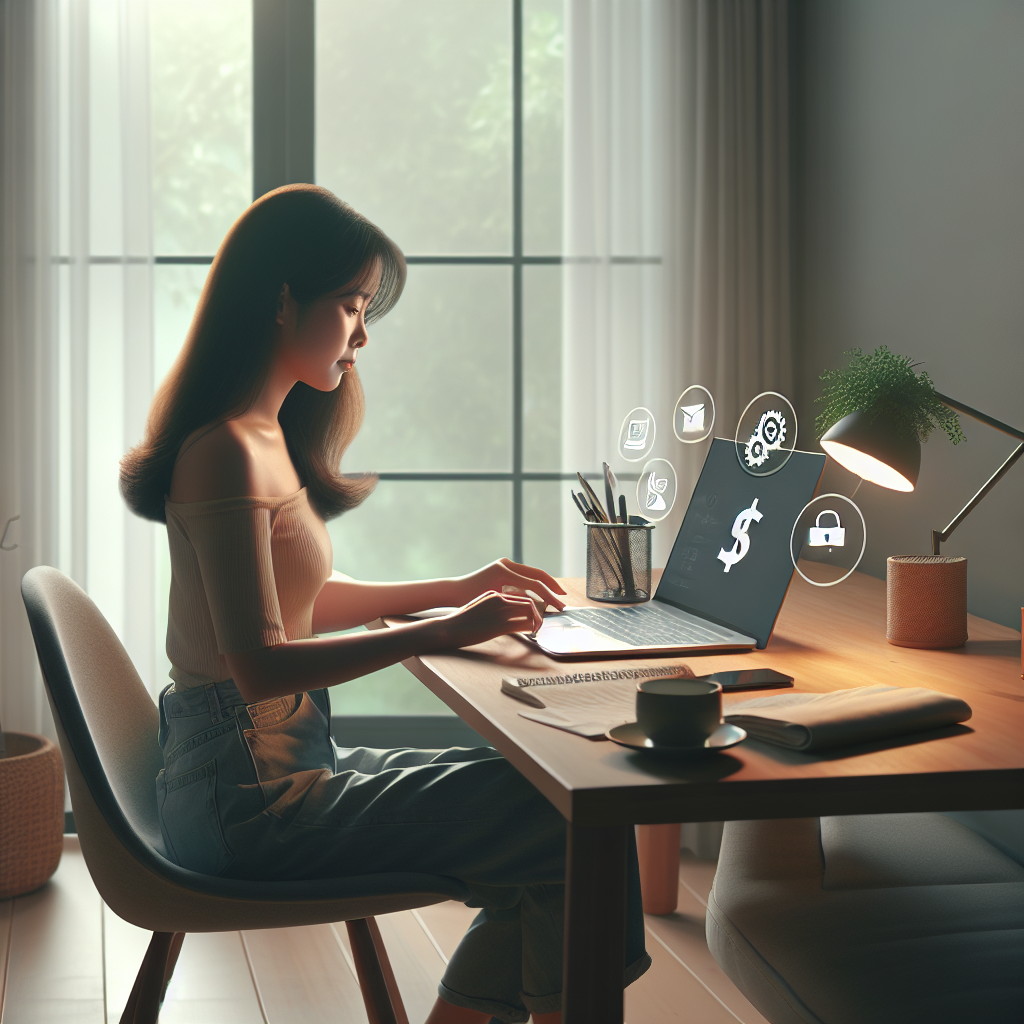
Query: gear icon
column 772, row 430
column 766, row 438
column 755, row 453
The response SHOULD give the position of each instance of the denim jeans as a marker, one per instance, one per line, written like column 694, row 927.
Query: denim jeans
column 260, row 791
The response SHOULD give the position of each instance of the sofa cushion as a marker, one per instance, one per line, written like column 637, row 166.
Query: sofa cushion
column 881, row 851
column 906, row 950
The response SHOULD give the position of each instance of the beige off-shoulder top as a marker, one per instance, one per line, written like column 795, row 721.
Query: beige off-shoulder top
column 244, row 575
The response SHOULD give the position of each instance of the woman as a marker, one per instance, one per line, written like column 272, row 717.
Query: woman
column 240, row 459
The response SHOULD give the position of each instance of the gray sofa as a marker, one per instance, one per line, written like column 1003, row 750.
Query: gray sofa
column 875, row 919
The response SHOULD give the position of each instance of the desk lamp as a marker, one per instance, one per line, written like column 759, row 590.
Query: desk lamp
column 881, row 443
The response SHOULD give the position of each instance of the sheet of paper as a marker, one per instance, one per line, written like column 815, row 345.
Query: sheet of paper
column 587, row 709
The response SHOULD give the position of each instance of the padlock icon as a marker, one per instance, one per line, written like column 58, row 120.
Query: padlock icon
column 827, row 536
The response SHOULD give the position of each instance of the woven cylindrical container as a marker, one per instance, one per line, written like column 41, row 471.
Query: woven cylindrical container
column 31, row 813
column 926, row 601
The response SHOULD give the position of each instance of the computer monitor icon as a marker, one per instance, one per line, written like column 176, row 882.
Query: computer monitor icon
column 636, row 435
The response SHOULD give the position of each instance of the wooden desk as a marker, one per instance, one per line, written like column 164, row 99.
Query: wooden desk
column 826, row 639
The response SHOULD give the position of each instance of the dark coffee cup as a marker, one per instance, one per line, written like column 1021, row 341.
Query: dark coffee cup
column 678, row 712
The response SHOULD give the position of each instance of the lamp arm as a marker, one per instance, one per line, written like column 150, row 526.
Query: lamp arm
column 980, row 416
column 939, row 537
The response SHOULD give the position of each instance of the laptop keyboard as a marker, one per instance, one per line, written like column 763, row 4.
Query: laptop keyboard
column 645, row 626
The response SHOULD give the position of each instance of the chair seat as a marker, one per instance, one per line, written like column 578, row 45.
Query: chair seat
column 874, row 919
column 106, row 723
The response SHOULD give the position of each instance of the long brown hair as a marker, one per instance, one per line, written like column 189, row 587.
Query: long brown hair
column 307, row 238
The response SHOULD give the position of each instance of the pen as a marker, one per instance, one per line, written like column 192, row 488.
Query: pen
column 609, row 491
column 604, row 545
column 627, row 558
column 595, row 503
column 579, row 503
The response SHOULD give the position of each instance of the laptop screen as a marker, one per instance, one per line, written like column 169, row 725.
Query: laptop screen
column 731, row 560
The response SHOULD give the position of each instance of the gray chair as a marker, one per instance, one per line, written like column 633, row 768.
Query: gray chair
column 107, row 726
column 874, row 919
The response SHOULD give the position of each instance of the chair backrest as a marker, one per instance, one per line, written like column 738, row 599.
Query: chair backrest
column 107, row 724
column 105, row 714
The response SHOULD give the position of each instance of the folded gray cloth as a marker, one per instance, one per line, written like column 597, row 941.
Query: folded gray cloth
column 815, row 721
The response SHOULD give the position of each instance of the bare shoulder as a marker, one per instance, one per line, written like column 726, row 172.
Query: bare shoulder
column 217, row 462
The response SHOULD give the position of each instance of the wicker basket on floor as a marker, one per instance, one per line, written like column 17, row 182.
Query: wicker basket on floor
column 31, row 813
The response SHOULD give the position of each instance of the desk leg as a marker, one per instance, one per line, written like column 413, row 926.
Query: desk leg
column 595, row 924
column 657, row 847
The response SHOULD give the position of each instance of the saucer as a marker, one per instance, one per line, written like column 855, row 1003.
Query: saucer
column 629, row 735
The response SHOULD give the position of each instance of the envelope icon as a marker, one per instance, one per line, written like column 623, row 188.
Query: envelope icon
column 693, row 418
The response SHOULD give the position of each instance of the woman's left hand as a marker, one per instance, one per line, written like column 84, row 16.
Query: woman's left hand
column 508, row 577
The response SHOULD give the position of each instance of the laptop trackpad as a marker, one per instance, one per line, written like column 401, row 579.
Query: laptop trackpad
column 563, row 636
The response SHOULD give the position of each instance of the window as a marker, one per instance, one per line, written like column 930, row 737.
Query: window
column 441, row 120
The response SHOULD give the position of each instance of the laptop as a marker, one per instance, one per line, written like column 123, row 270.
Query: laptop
column 726, row 578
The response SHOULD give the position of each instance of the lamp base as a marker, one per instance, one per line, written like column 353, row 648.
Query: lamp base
column 926, row 604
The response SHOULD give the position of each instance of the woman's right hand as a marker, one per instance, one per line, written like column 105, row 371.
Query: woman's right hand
column 487, row 616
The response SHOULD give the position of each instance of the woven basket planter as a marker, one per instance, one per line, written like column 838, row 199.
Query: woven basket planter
column 31, row 813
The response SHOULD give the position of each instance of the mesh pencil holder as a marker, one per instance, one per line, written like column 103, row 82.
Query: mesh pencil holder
column 618, row 562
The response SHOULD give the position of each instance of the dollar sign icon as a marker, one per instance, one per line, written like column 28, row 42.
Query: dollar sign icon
column 739, row 530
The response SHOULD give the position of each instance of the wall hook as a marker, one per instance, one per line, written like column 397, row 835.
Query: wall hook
column 4, row 546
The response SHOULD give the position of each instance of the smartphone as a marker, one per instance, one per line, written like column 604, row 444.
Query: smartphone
column 751, row 679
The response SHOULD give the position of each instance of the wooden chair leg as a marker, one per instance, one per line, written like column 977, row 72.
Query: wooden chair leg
column 387, row 971
column 376, row 978
column 143, row 1005
column 172, row 959
column 657, row 847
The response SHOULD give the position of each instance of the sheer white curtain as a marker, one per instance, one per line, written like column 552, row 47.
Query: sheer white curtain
column 676, row 224
column 76, row 349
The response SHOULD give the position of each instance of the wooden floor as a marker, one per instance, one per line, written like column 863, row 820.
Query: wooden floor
column 65, row 958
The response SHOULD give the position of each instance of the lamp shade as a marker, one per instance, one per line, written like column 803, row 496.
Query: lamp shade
column 872, row 446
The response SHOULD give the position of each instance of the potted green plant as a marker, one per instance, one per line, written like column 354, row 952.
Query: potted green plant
column 882, row 386
column 877, row 412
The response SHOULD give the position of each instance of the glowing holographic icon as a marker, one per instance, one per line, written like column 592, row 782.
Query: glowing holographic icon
column 693, row 418
column 740, row 526
column 656, row 487
column 824, row 546
column 766, row 434
column 819, row 536
column 767, row 437
column 636, row 435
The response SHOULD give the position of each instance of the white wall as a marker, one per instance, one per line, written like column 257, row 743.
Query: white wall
column 909, row 231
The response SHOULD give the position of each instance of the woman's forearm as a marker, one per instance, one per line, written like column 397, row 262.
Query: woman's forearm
column 301, row 665
column 344, row 603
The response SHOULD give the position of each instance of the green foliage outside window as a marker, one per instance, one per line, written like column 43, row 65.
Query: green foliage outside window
column 201, row 121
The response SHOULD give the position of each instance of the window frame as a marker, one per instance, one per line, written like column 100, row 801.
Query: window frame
column 284, row 150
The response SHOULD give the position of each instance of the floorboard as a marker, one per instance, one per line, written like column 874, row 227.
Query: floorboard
column 71, row 960
column 415, row 960
column 6, row 916
column 55, row 972
column 211, row 983
column 669, row 993
column 681, row 937
column 447, row 923
column 303, row 976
